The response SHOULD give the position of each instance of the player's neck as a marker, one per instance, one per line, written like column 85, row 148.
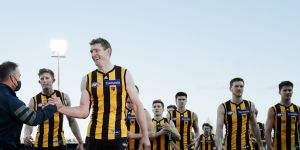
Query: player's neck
column 285, row 102
column 105, row 67
column 48, row 91
column 158, row 117
column 183, row 109
column 236, row 100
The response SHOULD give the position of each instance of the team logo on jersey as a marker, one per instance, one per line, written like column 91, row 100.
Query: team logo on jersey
column 230, row 113
column 105, row 77
column 208, row 141
column 113, row 88
column 243, row 111
column 116, row 132
column 292, row 114
column 185, row 119
column 42, row 104
column 131, row 117
column 116, row 82
column 95, row 84
column 279, row 114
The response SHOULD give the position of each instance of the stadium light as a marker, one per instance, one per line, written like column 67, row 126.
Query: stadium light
column 58, row 48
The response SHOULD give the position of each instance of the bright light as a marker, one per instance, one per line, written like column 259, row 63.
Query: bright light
column 58, row 47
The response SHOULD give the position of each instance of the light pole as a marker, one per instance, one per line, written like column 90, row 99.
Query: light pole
column 58, row 48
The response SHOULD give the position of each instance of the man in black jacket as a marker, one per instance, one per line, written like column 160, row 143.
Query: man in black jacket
column 13, row 111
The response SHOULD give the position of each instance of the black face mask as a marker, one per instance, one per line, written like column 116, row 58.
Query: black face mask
column 18, row 86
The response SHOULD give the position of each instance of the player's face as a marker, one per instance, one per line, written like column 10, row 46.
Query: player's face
column 157, row 109
column 206, row 129
column 181, row 101
column 286, row 92
column 46, row 81
column 129, row 104
column 99, row 54
column 237, row 88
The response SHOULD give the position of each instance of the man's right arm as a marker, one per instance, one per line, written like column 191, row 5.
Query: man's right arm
column 28, row 115
column 81, row 111
column 219, row 130
column 269, row 126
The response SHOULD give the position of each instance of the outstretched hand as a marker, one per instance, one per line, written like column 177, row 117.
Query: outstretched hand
column 55, row 101
column 28, row 140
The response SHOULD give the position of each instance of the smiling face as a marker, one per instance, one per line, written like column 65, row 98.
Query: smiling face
column 100, row 54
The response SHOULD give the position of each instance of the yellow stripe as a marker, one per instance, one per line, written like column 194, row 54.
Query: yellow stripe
column 162, row 137
column 89, row 86
column 185, row 129
column 244, row 123
column 113, row 106
column 155, row 130
column 283, row 128
column 46, row 126
column 100, row 106
column 124, row 97
column 56, row 127
column 293, row 125
column 275, row 128
column 177, row 115
column 36, row 139
column 234, row 125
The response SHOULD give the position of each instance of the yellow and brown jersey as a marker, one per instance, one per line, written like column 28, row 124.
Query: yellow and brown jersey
column 161, row 142
column 107, row 99
column 184, row 125
column 236, row 120
column 133, row 127
column 50, row 133
column 206, row 142
column 286, row 132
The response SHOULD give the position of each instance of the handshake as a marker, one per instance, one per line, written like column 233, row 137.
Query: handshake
column 55, row 101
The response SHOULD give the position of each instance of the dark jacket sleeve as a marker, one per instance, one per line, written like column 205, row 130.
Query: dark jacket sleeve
column 28, row 115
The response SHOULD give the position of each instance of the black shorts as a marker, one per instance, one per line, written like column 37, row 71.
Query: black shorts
column 62, row 147
column 96, row 144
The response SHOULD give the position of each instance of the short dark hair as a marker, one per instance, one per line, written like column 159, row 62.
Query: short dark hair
column 7, row 68
column 44, row 70
column 180, row 94
column 207, row 124
column 236, row 80
column 104, row 43
column 158, row 101
column 172, row 106
column 285, row 83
